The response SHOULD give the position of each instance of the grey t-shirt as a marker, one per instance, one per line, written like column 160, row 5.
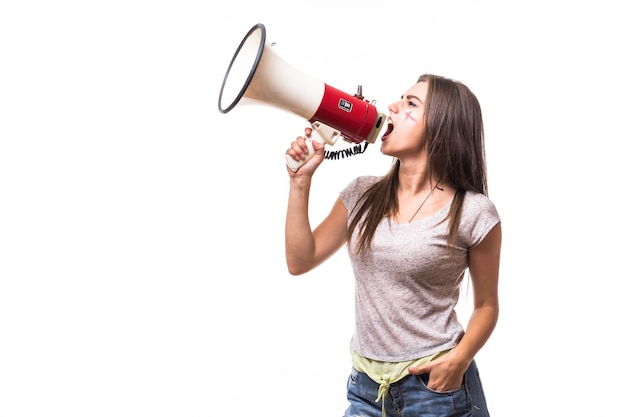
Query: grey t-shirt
column 407, row 285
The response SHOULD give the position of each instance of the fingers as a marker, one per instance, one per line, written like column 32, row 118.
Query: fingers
column 305, row 152
column 299, row 149
column 442, row 377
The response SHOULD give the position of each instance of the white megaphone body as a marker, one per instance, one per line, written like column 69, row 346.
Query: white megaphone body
column 256, row 75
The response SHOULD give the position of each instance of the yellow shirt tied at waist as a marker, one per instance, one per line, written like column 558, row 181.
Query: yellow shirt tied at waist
column 386, row 373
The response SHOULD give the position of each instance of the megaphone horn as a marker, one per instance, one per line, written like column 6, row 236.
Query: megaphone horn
column 257, row 75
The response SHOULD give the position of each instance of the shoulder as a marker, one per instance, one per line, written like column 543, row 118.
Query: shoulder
column 478, row 217
column 478, row 204
column 360, row 184
column 355, row 188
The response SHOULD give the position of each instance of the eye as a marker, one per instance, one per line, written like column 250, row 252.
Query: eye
column 411, row 103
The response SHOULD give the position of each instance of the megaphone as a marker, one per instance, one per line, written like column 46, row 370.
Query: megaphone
column 257, row 75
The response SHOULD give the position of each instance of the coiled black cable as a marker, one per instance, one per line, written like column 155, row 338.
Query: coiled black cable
column 345, row 153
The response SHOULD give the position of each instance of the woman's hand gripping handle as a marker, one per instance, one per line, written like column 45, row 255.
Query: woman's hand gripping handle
column 302, row 149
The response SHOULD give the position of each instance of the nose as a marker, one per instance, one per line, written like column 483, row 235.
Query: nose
column 393, row 108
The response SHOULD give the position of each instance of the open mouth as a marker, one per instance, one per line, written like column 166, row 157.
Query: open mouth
column 388, row 131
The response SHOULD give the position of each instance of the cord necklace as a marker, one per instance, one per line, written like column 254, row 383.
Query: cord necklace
column 424, row 202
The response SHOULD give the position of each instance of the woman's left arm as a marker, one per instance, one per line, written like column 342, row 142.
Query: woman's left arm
column 446, row 373
column 484, row 268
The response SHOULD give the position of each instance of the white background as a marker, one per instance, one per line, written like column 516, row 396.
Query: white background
column 141, row 231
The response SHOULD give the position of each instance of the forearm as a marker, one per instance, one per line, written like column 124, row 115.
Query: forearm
column 446, row 372
column 299, row 240
column 479, row 328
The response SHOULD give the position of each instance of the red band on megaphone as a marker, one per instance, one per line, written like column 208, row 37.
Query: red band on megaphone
column 353, row 117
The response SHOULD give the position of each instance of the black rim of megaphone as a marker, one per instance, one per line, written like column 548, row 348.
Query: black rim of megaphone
column 254, row 67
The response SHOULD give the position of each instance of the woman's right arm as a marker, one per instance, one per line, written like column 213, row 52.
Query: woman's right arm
column 305, row 248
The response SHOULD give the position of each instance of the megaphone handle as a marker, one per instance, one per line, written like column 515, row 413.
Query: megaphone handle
column 320, row 133
column 295, row 165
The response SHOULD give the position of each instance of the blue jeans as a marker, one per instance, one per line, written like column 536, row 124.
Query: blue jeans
column 411, row 397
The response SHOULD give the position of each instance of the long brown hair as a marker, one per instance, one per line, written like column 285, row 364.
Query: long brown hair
column 454, row 137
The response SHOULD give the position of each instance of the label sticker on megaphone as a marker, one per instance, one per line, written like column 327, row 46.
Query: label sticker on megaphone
column 257, row 75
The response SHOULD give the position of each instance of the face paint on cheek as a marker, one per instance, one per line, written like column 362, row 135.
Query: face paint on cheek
column 408, row 115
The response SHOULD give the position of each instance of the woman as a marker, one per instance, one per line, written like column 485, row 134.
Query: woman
column 412, row 235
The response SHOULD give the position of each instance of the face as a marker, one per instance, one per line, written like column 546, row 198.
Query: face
column 405, row 133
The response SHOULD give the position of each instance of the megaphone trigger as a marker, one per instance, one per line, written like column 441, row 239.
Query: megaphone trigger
column 320, row 133
column 329, row 135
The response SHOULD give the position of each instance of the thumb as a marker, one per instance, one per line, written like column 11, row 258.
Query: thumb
column 319, row 149
column 317, row 146
column 418, row 370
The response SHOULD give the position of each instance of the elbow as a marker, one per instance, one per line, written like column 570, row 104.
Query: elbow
column 296, row 270
column 297, row 266
column 296, row 263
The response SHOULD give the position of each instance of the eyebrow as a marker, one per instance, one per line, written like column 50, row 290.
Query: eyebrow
column 415, row 97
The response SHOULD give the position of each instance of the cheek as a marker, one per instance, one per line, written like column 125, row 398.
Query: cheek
column 409, row 116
